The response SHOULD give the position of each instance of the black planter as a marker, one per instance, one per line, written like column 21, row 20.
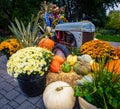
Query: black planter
column 32, row 86
column 8, row 56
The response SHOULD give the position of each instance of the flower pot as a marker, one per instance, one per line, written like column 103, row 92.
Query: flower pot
column 32, row 86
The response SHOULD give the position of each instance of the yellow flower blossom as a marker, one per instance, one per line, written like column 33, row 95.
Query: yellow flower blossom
column 29, row 60
column 98, row 48
column 10, row 46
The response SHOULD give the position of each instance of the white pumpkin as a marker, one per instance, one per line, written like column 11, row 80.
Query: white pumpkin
column 59, row 95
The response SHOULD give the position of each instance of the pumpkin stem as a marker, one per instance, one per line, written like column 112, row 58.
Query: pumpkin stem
column 59, row 88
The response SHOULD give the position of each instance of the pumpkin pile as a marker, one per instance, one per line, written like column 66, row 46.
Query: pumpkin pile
column 60, row 70
column 70, row 69
column 98, row 49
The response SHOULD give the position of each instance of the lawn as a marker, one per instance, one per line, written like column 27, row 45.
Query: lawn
column 109, row 38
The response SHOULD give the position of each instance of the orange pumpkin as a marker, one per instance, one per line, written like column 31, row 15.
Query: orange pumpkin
column 55, row 66
column 118, row 51
column 59, row 58
column 113, row 65
column 46, row 43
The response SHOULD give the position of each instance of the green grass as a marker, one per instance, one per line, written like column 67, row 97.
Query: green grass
column 108, row 38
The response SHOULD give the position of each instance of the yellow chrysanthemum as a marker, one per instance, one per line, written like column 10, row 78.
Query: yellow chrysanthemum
column 98, row 48
column 28, row 61
column 10, row 46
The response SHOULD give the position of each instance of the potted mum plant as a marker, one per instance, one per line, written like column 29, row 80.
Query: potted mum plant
column 29, row 66
column 9, row 46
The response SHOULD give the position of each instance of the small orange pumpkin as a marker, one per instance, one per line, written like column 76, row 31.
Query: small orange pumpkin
column 113, row 65
column 46, row 43
column 118, row 51
column 59, row 58
column 55, row 66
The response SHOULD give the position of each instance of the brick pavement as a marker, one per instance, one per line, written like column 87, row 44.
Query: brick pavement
column 11, row 96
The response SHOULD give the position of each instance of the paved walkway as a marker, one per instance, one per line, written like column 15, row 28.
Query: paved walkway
column 115, row 44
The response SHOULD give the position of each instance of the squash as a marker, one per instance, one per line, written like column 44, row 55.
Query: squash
column 46, row 43
column 113, row 66
column 72, row 59
column 85, row 57
column 85, row 105
column 95, row 67
column 59, row 95
column 55, row 66
column 66, row 67
column 59, row 58
column 82, row 67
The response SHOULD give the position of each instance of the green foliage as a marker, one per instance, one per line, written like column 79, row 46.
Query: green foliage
column 114, row 21
column 104, row 92
column 94, row 10
column 27, row 36
column 3, row 38
column 108, row 38
column 21, row 9
column 107, row 35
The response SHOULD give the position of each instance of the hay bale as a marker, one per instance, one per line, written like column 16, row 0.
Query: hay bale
column 70, row 77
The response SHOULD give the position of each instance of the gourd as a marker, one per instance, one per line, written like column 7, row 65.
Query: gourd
column 82, row 67
column 59, row 95
column 85, row 105
column 85, row 57
column 113, row 66
column 59, row 58
column 94, row 66
column 46, row 43
column 55, row 66
column 72, row 59
column 66, row 67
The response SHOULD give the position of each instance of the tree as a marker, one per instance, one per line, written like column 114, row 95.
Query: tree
column 93, row 10
column 114, row 21
column 21, row 9
column 76, row 10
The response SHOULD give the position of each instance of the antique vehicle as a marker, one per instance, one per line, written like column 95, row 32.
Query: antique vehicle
column 72, row 35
